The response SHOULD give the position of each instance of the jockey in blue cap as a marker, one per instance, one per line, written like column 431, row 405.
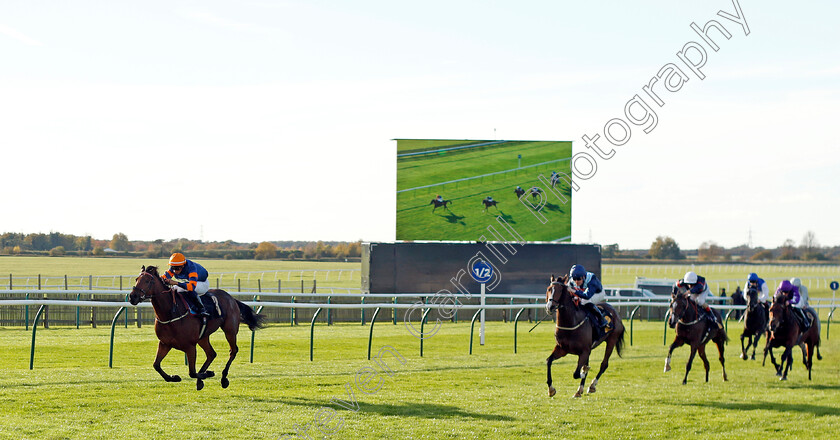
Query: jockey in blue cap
column 588, row 288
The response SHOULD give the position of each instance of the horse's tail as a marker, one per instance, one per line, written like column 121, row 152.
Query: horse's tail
column 619, row 345
column 254, row 320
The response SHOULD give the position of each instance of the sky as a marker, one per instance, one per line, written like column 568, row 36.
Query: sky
column 274, row 120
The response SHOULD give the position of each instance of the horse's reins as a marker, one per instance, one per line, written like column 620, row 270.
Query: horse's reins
column 699, row 318
column 145, row 295
column 551, row 299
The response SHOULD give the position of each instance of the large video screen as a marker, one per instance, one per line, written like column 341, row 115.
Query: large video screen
column 454, row 189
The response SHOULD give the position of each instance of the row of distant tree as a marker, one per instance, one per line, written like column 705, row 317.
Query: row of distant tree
column 666, row 248
column 57, row 244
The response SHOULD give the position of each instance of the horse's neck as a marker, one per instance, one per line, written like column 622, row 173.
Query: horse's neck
column 569, row 315
column 164, row 305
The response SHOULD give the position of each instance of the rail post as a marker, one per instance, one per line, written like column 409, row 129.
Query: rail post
column 515, row 324
column 78, row 310
column 370, row 337
column 472, row 327
column 632, row 315
column 395, row 311
column 363, row 309
column 34, row 327
column 312, row 334
column 111, row 346
column 828, row 324
column 259, row 309
column 26, row 313
column 422, row 323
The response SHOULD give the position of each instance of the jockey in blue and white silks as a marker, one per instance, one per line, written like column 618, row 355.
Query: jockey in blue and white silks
column 753, row 281
column 586, row 286
column 698, row 291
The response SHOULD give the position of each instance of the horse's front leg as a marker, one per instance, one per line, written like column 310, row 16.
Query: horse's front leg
column 209, row 353
column 557, row 353
column 788, row 354
column 744, row 349
column 688, row 364
column 162, row 351
column 756, row 339
column 702, row 351
column 199, row 377
column 678, row 342
column 583, row 366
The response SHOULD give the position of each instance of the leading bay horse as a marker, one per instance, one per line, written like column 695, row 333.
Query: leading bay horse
column 176, row 328
column 694, row 329
column 438, row 204
column 755, row 323
column 786, row 332
column 489, row 203
column 574, row 330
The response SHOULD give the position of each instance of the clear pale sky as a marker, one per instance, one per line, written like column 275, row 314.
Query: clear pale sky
column 268, row 120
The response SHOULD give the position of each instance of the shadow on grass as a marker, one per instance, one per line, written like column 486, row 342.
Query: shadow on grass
column 785, row 408
column 451, row 217
column 407, row 409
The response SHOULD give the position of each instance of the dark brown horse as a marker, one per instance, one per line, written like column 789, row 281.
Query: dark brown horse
column 176, row 328
column 694, row 329
column 438, row 204
column 574, row 333
column 755, row 324
column 489, row 203
column 518, row 191
column 786, row 332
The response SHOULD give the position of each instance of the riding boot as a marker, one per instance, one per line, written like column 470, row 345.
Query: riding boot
column 712, row 316
column 803, row 320
column 602, row 322
column 197, row 304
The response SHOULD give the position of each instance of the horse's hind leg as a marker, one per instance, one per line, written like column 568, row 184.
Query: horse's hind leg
column 210, row 354
column 756, row 338
column 163, row 350
column 556, row 354
column 230, row 335
column 604, row 364
column 720, row 345
column 583, row 366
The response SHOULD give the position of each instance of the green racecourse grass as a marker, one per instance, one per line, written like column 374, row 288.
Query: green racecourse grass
column 465, row 219
column 493, row 393
column 71, row 393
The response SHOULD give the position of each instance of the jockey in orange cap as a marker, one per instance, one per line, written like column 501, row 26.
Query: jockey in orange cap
column 196, row 276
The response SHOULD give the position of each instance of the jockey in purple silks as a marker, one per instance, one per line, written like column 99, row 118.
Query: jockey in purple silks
column 790, row 294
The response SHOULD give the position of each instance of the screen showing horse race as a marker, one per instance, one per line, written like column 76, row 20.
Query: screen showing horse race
column 483, row 190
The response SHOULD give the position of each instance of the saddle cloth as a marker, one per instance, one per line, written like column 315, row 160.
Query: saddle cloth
column 211, row 304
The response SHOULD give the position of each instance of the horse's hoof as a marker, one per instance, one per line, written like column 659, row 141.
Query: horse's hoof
column 592, row 389
column 685, row 381
column 209, row 373
column 174, row 378
column 226, row 382
column 782, row 378
column 742, row 356
column 578, row 394
column 199, row 384
column 667, row 368
column 752, row 358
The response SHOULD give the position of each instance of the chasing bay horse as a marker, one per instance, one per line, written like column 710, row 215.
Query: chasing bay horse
column 574, row 333
column 518, row 191
column 786, row 332
column 438, row 204
column 176, row 328
column 694, row 329
column 488, row 203
column 755, row 324
column 535, row 193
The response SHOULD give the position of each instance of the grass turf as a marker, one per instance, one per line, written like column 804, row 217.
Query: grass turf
column 448, row 393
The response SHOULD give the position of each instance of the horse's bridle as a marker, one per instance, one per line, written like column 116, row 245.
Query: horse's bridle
column 551, row 300
column 680, row 317
column 143, row 293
